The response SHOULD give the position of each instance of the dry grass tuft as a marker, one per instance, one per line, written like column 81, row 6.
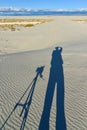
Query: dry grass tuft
column 28, row 25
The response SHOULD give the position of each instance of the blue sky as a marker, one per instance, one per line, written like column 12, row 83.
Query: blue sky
column 70, row 4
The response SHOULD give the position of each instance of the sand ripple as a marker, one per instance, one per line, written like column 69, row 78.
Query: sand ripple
column 18, row 70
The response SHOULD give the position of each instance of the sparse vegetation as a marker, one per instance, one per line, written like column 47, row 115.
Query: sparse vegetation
column 79, row 20
column 14, row 23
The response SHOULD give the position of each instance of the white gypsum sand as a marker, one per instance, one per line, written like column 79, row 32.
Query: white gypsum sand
column 17, row 70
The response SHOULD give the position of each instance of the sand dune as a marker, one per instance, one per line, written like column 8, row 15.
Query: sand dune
column 17, row 70
column 62, row 31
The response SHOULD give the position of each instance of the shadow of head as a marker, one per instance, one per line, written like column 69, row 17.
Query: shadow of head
column 59, row 49
column 40, row 70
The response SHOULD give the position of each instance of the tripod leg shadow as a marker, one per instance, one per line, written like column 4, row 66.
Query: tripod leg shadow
column 27, row 103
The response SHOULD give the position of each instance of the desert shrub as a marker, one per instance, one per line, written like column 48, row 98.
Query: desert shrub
column 11, row 27
column 28, row 25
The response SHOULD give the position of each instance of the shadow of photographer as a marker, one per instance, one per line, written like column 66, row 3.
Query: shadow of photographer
column 56, row 79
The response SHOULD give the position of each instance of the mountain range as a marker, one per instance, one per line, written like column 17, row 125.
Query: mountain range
column 28, row 11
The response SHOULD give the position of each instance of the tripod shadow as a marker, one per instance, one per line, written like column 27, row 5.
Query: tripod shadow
column 25, row 107
column 56, row 77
